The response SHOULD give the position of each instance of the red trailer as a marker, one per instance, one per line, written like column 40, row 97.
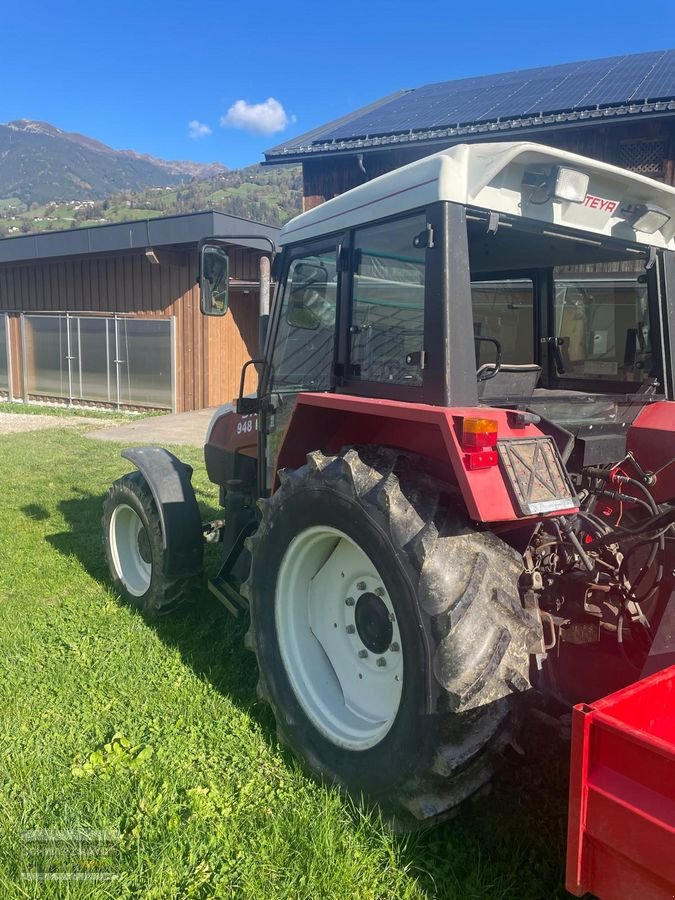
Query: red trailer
column 621, row 825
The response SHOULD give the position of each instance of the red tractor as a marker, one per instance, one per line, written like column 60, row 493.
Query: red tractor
column 453, row 492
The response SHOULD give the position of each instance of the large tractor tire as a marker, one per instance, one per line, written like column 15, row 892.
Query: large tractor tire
column 132, row 540
column 390, row 638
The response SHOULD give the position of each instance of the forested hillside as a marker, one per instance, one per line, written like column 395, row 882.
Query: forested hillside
column 269, row 195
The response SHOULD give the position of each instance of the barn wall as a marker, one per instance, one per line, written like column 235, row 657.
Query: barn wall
column 209, row 352
column 230, row 341
column 647, row 147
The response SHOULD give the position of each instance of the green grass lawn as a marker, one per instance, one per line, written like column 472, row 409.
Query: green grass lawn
column 152, row 731
column 68, row 412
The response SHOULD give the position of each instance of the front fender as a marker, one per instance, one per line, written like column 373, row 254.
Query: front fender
column 170, row 482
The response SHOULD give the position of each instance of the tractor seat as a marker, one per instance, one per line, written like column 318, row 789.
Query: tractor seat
column 512, row 381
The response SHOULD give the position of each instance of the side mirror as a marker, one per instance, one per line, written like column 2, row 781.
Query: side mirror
column 214, row 279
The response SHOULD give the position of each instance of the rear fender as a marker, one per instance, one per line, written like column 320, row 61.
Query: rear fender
column 329, row 422
column 170, row 482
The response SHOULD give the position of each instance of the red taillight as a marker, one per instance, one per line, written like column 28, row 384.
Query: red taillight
column 479, row 439
column 477, row 434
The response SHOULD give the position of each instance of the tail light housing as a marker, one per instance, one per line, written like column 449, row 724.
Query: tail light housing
column 479, row 441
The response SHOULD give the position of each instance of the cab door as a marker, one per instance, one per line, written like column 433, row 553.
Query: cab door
column 301, row 345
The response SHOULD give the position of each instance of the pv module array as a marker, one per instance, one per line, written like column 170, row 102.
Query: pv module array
column 617, row 81
column 623, row 79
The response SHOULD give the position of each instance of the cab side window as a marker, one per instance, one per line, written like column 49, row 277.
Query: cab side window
column 387, row 321
column 303, row 352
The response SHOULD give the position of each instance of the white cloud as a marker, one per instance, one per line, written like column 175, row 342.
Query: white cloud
column 259, row 118
column 198, row 129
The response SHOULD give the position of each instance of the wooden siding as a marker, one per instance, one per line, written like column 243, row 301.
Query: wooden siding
column 326, row 178
column 209, row 353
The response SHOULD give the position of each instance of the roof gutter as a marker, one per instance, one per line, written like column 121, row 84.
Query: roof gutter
column 182, row 230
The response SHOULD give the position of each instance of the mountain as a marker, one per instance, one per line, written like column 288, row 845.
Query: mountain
column 40, row 163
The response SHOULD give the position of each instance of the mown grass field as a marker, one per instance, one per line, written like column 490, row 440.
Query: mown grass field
column 85, row 412
column 152, row 731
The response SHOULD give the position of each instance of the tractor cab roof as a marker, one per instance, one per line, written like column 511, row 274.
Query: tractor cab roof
column 521, row 179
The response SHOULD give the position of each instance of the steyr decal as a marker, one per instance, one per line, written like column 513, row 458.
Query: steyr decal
column 601, row 203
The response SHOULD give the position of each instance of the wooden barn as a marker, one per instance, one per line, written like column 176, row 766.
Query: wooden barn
column 110, row 315
column 620, row 110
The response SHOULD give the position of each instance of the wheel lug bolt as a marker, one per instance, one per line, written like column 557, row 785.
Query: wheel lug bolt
column 382, row 662
column 379, row 591
column 350, row 601
column 363, row 654
column 361, row 585
column 350, row 629
column 394, row 647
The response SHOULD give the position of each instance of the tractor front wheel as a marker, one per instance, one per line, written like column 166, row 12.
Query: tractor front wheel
column 390, row 637
column 133, row 544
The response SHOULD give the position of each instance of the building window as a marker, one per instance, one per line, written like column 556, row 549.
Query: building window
column 99, row 359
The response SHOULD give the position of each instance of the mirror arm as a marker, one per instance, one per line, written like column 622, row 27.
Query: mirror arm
column 233, row 238
column 245, row 406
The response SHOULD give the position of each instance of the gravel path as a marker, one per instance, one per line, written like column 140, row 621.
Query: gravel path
column 14, row 423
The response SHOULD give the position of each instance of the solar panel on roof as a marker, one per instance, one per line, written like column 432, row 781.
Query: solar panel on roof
column 547, row 89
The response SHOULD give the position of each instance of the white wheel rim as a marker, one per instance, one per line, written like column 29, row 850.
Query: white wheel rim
column 334, row 618
column 126, row 529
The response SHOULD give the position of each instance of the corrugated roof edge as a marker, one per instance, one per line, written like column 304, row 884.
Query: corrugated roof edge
column 187, row 228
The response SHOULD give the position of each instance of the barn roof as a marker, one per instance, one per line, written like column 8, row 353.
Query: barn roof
column 163, row 231
column 489, row 105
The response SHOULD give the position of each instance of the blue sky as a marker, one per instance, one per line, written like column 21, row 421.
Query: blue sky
column 136, row 74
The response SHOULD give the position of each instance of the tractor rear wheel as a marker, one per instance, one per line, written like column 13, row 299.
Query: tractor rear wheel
column 390, row 638
column 133, row 544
